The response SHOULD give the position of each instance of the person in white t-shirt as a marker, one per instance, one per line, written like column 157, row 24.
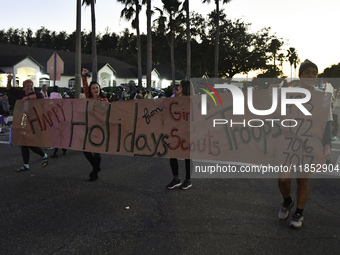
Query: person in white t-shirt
column 55, row 94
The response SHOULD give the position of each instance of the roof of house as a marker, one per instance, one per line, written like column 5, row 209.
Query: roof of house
column 166, row 73
column 10, row 55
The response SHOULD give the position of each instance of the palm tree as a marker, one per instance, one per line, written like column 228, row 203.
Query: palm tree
column 172, row 8
column 217, row 36
column 293, row 60
column 94, row 41
column 281, row 58
column 134, row 7
column 274, row 47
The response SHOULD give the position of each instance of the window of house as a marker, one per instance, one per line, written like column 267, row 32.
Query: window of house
column 71, row 83
column 44, row 81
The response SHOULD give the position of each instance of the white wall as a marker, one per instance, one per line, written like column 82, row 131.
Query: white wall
column 106, row 76
column 26, row 69
column 3, row 76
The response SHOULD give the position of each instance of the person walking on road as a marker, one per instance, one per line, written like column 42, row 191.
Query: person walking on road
column 308, row 79
column 25, row 95
column 93, row 92
column 185, row 89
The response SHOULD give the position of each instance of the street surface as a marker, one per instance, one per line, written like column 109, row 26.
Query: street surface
column 128, row 210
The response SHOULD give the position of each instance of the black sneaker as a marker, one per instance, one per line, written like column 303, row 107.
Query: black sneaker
column 93, row 177
column 284, row 211
column 174, row 183
column 186, row 184
column 296, row 221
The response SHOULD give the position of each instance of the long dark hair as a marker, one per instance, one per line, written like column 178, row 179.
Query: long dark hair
column 187, row 88
column 100, row 90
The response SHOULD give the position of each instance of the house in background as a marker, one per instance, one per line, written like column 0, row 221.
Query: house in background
column 25, row 67
column 164, row 78
column 26, row 62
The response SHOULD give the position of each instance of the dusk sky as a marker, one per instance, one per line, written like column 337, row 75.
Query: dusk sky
column 308, row 25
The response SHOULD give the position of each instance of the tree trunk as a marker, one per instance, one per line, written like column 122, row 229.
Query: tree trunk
column 139, row 47
column 149, row 47
column 188, row 40
column 94, row 43
column 217, row 22
column 291, row 72
column 172, row 52
column 77, row 84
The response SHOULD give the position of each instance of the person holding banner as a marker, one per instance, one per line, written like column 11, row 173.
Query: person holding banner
column 93, row 92
column 55, row 95
column 25, row 95
column 308, row 79
column 185, row 89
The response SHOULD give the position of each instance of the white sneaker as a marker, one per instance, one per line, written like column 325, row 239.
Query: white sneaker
column 284, row 211
column 296, row 221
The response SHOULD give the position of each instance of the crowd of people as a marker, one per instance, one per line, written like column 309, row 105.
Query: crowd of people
column 307, row 73
column 92, row 91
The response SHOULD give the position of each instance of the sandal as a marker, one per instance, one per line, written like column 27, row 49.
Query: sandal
column 22, row 169
column 45, row 162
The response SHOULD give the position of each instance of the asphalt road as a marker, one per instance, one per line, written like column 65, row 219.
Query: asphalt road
column 128, row 210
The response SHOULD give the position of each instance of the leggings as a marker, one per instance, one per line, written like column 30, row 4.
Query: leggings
column 25, row 152
column 56, row 151
column 94, row 159
column 174, row 167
